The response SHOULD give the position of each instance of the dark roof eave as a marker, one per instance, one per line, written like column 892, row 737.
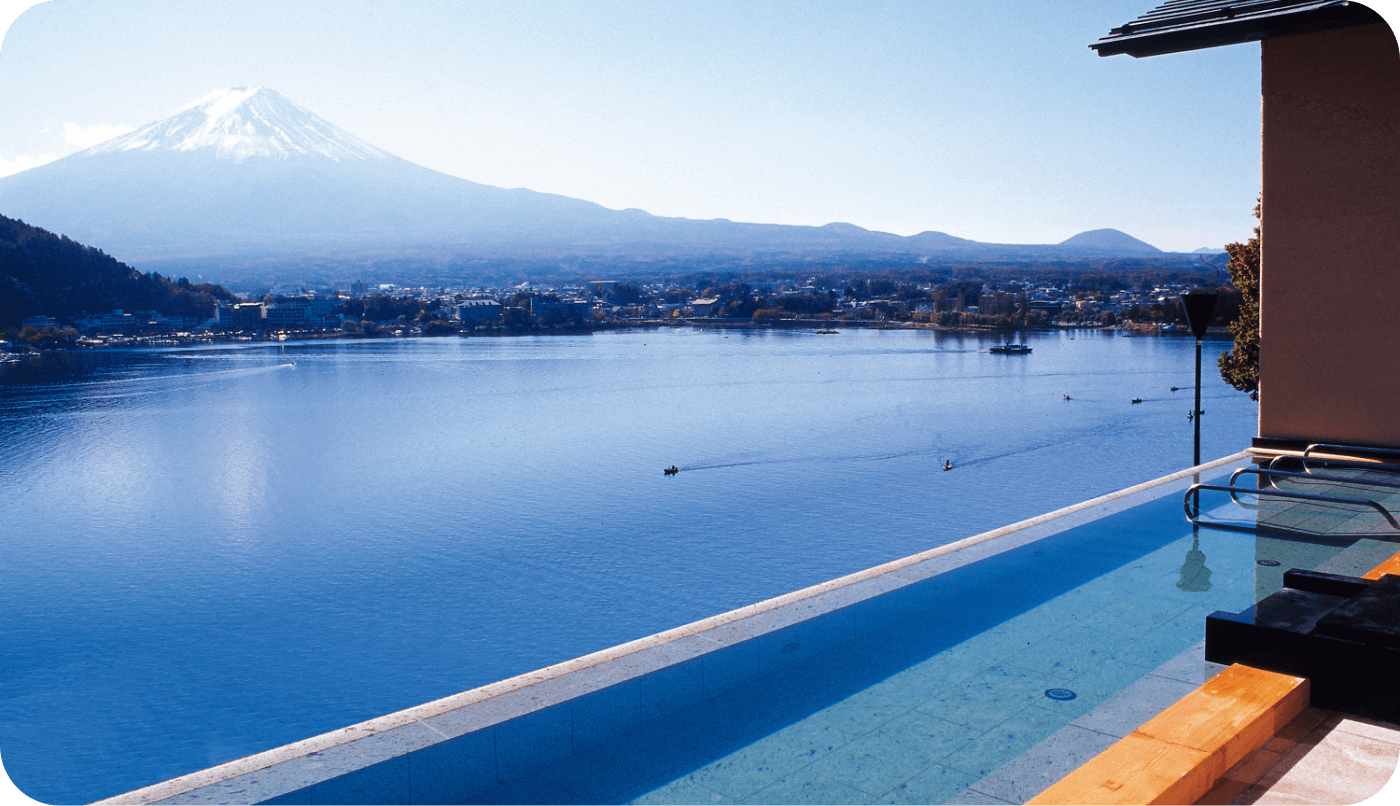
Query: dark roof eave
column 1234, row 32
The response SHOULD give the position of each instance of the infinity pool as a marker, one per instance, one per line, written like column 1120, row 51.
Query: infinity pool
column 913, row 682
column 915, row 695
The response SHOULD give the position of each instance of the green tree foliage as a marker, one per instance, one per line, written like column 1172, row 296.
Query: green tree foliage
column 1240, row 366
column 382, row 308
column 43, row 273
column 625, row 294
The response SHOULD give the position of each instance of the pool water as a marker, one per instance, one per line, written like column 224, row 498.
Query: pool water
column 914, row 696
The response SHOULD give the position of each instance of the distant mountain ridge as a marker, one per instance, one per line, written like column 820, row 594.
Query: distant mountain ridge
column 245, row 173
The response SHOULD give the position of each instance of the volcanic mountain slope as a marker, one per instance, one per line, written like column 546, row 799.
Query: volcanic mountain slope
column 245, row 172
column 1110, row 241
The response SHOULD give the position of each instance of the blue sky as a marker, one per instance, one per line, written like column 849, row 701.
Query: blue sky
column 989, row 120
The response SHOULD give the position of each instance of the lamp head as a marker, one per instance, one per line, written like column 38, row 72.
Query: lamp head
column 1199, row 308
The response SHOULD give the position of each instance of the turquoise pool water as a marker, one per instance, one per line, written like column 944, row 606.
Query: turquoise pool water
column 915, row 695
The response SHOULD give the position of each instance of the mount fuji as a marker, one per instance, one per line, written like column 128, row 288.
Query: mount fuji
column 244, row 175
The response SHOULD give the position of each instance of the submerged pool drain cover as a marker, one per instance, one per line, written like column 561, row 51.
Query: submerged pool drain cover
column 1060, row 694
column 1268, row 563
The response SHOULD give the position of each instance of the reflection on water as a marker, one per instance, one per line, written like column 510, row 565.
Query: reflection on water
column 1195, row 576
column 224, row 551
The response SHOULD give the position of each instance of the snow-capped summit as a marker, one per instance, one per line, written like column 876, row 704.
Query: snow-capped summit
column 244, row 179
column 245, row 122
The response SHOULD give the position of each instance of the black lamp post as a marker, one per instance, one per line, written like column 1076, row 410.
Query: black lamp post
column 1199, row 308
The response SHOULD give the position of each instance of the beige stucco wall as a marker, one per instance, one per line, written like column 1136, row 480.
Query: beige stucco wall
column 1330, row 268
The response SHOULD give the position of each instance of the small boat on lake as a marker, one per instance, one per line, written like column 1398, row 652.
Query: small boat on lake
column 671, row 471
column 1137, row 400
column 1011, row 349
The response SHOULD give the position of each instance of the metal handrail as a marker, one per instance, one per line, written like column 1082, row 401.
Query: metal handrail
column 1379, row 467
column 1234, row 491
column 1355, row 453
column 1270, row 473
column 1353, row 449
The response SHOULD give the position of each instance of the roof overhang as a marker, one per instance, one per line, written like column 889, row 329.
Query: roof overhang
column 1181, row 25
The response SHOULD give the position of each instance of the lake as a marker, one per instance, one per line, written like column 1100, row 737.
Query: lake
column 210, row 552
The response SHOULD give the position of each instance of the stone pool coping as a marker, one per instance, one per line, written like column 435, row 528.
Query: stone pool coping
column 372, row 757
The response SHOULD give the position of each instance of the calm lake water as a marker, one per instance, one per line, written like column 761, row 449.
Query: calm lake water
column 211, row 552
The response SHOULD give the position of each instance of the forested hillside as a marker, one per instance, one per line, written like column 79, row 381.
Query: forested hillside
column 43, row 273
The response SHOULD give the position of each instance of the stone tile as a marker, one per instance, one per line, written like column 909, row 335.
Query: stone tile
column 1312, row 771
column 260, row 786
column 748, row 713
column 1187, row 666
column 790, row 647
column 716, row 722
column 385, row 782
column 526, row 791
column 1004, row 742
column 922, row 681
column 878, row 762
column 448, row 771
column 1052, row 759
column 1371, row 729
column 1301, row 726
column 695, row 730
column 1069, row 652
column 1225, row 791
column 972, row 796
column 602, row 773
column 950, row 667
column 1130, row 708
column 1359, row 558
column 989, row 698
column 1163, row 644
column 1078, row 604
column 1093, row 688
column 1135, row 615
column 671, row 689
column 749, row 769
column 994, row 647
column 1253, row 768
column 680, row 791
column 301, row 797
column 531, row 742
column 729, row 668
column 937, row 784
column 1052, row 616
column 805, row 790
column 867, row 710
column 606, row 714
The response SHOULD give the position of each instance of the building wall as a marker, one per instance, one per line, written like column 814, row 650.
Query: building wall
column 1330, row 264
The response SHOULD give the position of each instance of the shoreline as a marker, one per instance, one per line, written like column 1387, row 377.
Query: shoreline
column 275, row 337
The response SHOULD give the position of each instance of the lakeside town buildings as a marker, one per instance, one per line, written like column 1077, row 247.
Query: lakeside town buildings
column 482, row 310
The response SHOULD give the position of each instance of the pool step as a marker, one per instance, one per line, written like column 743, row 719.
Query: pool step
column 1179, row 755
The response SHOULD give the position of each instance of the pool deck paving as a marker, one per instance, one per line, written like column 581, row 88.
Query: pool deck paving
column 1321, row 757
